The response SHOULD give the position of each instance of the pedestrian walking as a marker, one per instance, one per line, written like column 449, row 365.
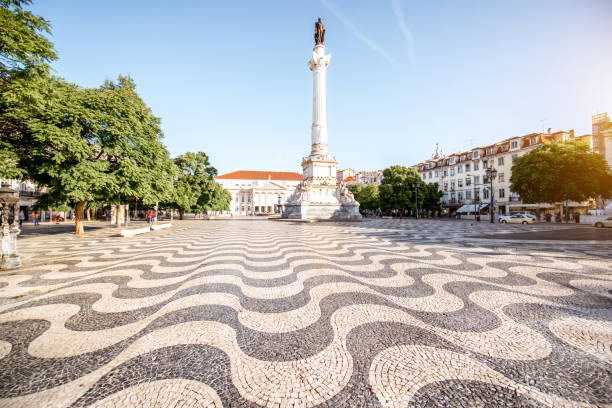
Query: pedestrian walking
column 21, row 218
column 35, row 218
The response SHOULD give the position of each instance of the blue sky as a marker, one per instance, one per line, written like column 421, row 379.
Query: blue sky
column 230, row 77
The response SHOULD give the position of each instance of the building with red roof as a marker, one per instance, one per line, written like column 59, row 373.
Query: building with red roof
column 256, row 192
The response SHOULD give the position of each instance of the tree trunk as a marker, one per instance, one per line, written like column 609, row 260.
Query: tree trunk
column 79, row 218
column 181, row 212
column 118, row 219
column 88, row 214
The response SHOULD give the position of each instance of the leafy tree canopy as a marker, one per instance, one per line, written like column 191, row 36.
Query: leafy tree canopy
column 398, row 187
column 23, row 45
column 367, row 196
column 194, row 188
column 431, row 197
column 24, row 53
column 561, row 171
column 99, row 144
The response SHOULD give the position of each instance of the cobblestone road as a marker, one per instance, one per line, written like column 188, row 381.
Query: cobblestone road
column 262, row 313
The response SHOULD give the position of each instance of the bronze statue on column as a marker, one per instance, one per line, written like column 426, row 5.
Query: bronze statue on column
column 319, row 32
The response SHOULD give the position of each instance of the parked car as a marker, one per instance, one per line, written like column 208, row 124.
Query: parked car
column 607, row 222
column 527, row 213
column 516, row 219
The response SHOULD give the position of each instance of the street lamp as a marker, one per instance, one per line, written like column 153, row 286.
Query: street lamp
column 416, row 198
column 9, row 198
column 491, row 174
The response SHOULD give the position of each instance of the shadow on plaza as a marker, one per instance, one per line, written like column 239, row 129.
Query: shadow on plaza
column 437, row 229
column 29, row 230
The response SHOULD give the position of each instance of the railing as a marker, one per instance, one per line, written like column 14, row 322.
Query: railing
column 29, row 193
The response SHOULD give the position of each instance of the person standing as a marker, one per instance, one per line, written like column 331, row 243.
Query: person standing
column 21, row 218
column 35, row 218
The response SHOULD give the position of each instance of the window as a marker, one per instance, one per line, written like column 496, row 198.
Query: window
column 490, row 150
column 430, row 174
column 533, row 140
column 502, row 193
column 476, row 179
column 468, row 181
column 460, row 169
column 500, row 177
column 243, row 199
column 500, row 161
column 445, row 173
column 436, row 173
column 460, row 183
column 477, row 195
column 485, row 194
column 460, row 196
column 484, row 164
column 514, row 156
column 452, row 171
column 475, row 165
column 445, row 186
column 468, row 195
column 514, row 144
column 475, row 154
column 452, row 185
column 467, row 167
column 236, row 201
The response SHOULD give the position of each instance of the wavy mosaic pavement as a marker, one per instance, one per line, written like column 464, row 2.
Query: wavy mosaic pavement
column 245, row 313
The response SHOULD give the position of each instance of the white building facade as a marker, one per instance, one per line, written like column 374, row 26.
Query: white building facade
column 258, row 192
column 461, row 176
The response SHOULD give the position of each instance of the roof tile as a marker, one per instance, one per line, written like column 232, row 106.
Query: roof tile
column 261, row 175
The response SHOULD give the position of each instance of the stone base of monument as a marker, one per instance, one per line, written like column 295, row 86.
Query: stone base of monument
column 322, row 211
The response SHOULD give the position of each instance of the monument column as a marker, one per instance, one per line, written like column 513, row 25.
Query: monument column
column 319, row 195
column 318, row 65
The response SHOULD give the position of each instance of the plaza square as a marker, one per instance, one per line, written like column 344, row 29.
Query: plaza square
column 269, row 313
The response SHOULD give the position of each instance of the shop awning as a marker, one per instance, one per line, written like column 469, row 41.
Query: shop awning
column 472, row 208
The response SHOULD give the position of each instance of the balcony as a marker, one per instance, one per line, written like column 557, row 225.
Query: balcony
column 25, row 193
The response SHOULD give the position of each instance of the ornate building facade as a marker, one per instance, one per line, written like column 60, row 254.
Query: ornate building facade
column 461, row 176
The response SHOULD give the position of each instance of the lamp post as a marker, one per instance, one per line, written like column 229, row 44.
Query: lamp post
column 9, row 198
column 491, row 174
column 416, row 198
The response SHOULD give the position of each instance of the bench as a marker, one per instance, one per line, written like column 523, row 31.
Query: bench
column 157, row 227
column 128, row 233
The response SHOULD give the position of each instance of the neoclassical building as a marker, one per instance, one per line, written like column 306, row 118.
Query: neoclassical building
column 258, row 192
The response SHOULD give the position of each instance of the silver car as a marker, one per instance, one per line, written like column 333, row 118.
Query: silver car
column 516, row 219
column 603, row 223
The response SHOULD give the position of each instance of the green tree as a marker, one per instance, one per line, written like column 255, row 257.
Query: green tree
column 216, row 199
column 431, row 197
column 25, row 53
column 561, row 171
column 23, row 45
column 398, row 187
column 194, row 188
column 367, row 196
column 90, row 144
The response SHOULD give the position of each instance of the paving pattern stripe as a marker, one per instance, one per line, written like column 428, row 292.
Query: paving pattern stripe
column 535, row 287
column 163, row 393
column 398, row 373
